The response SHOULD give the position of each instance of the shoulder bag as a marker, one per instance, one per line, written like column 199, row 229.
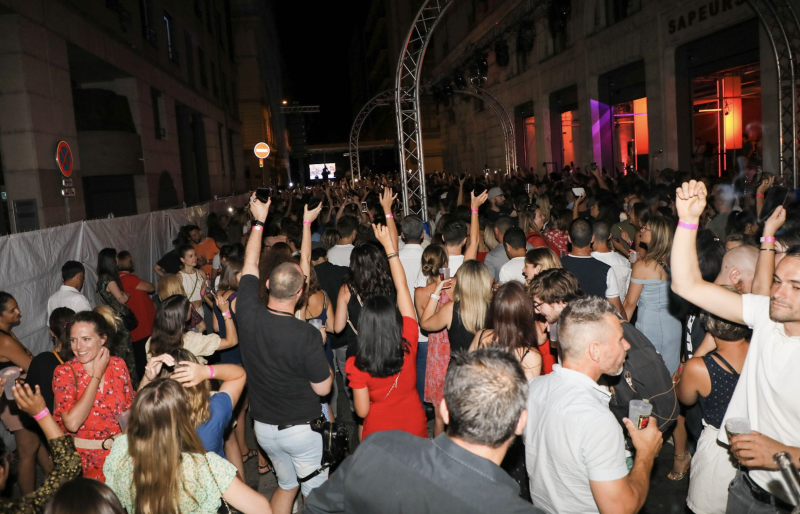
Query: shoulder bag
column 335, row 445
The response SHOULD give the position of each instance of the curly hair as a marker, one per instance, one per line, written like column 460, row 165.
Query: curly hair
column 369, row 272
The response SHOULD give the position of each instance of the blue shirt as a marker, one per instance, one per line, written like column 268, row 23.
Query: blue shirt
column 211, row 432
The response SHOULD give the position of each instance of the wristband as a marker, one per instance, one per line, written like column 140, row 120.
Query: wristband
column 688, row 226
column 210, row 372
column 767, row 239
column 258, row 228
column 306, row 222
column 389, row 215
column 767, row 250
column 226, row 314
column 391, row 255
column 435, row 296
column 760, row 195
column 42, row 414
column 474, row 211
column 98, row 378
column 258, row 223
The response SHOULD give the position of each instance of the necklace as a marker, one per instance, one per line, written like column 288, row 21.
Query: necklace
column 276, row 311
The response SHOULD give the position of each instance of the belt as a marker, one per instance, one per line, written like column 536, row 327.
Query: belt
column 95, row 444
column 759, row 494
column 284, row 427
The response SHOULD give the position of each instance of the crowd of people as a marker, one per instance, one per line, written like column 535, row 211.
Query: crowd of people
column 491, row 352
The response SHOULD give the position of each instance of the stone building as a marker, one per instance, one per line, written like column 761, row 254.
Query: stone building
column 643, row 83
column 143, row 91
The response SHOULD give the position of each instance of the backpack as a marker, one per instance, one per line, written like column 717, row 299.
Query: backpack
column 644, row 377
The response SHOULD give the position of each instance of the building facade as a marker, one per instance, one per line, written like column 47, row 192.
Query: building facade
column 644, row 83
column 143, row 91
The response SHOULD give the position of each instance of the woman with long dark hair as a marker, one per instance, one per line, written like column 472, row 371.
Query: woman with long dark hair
column 160, row 465
column 43, row 366
column 14, row 354
column 170, row 330
column 109, row 285
column 84, row 496
column 91, row 391
column 383, row 372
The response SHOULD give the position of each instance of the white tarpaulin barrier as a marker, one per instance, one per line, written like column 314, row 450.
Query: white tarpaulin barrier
column 31, row 261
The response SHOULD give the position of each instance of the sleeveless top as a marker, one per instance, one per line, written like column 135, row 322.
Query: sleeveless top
column 229, row 355
column 192, row 284
column 8, row 364
column 460, row 337
column 723, row 382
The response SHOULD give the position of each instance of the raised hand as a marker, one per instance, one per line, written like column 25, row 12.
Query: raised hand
column 774, row 222
column 259, row 210
column 28, row 401
column 190, row 374
column 312, row 214
column 690, row 200
column 384, row 238
column 479, row 200
column 153, row 368
column 387, row 198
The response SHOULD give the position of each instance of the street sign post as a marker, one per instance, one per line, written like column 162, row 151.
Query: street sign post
column 262, row 152
column 65, row 165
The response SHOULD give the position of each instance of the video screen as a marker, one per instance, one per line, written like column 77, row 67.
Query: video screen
column 317, row 171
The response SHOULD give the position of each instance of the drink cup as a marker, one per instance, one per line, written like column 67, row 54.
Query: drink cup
column 316, row 323
column 639, row 413
column 11, row 374
column 737, row 426
column 122, row 419
column 633, row 257
column 444, row 273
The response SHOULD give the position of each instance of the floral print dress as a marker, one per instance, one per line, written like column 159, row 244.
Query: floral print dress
column 122, row 346
column 115, row 398
column 437, row 361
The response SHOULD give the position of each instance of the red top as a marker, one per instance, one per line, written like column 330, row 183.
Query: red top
column 557, row 241
column 141, row 305
column 393, row 407
column 115, row 398
column 482, row 256
column 536, row 240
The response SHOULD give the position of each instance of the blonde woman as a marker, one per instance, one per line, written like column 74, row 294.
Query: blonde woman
column 543, row 203
column 121, row 347
column 171, row 285
column 466, row 315
column 650, row 292
column 538, row 260
column 160, row 465
column 531, row 221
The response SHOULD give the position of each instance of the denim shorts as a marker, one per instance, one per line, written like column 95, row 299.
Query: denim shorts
column 294, row 452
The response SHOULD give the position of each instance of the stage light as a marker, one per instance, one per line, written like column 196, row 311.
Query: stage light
column 501, row 56
column 285, row 102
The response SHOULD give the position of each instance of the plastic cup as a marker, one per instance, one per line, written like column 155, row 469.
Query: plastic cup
column 445, row 273
column 737, row 426
column 633, row 257
column 11, row 374
column 639, row 413
column 122, row 419
column 316, row 323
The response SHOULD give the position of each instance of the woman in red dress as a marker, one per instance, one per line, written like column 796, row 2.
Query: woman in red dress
column 141, row 305
column 91, row 390
column 383, row 374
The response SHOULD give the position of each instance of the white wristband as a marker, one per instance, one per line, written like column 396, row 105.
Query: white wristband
column 435, row 296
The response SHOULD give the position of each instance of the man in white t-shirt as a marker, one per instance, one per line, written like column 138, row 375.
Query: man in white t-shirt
column 339, row 255
column 574, row 446
column 767, row 391
column 411, row 253
column 69, row 295
column 514, row 242
column 602, row 251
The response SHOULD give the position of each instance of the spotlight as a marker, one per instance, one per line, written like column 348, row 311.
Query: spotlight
column 285, row 102
column 525, row 36
column 501, row 56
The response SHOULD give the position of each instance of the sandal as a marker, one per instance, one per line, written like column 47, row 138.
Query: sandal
column 247, row 456
column 266, row 469
column 677, row 476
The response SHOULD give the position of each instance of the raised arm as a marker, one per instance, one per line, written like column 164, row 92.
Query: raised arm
column 253, row 251
column 765, row 266
column 474, row 226
column 687, row 281
column 233, row 377
column 461, row 179
column 761, row 190
column 389, row 242
column 231, row 336
column 305, row 247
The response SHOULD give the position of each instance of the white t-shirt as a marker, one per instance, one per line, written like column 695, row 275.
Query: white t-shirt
column 340, row 255
column 571, row 438
column 512, row 270
column 768, row 391
column 69, row 297
column 621, row 267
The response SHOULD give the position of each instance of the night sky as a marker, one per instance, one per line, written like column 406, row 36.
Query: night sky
column 315, row 43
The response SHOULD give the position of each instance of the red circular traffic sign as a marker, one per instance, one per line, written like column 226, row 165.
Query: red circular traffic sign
column 64, row 158
column 261, row 150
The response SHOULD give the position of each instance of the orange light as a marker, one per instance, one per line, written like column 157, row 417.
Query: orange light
column 285, row 102
column 709, row 110
column 642, row 140
column 732, row 111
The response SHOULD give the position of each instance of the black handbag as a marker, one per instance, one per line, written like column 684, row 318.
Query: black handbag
column 335, row 444
column 128, row 318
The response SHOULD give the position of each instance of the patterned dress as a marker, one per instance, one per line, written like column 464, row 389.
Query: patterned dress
column 66, row 466
column 115, row 398
column 438, row 360
column 557, row 241
column 122, row 345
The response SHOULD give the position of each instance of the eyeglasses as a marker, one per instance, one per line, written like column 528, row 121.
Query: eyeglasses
column 645, row 229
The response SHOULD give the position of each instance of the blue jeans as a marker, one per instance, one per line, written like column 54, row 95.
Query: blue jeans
column 294, row 452
column 422, row 366
column 741, row 501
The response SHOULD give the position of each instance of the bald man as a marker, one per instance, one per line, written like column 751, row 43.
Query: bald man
column 738, row 268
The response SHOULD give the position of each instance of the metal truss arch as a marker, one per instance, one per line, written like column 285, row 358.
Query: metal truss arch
column 384, row 98
column 407, row 95
column 505, row 121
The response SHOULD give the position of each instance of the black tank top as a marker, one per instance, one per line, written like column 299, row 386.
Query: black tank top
column 723, row 382
column 8, row 364
column 460, row 337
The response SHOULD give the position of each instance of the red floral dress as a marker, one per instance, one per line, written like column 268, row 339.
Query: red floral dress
column 437, row 361
column 115, row 398
column 557, row 241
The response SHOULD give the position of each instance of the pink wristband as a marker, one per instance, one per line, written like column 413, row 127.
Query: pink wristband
column 210, row 372
column 474, row 211
column 688, row 226
column 760, row 195
column 390, row 215
column 767, row 239
column 306, row 222
column 226, row 314
column 258, row 227
column 42, row 414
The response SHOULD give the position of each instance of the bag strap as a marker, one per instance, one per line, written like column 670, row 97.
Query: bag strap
column 221, row 497
column 58, row 357
column 348, row 310
column 726, row 363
